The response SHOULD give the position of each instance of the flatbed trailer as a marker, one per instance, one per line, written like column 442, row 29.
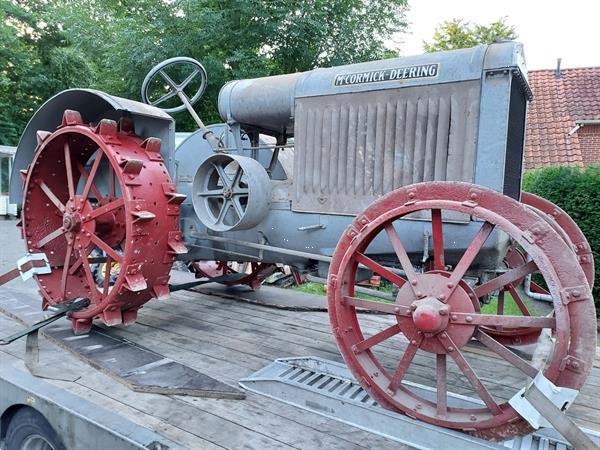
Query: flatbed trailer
column 223, row 338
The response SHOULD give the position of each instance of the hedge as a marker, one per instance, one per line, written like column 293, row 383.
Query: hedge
column 577, row 191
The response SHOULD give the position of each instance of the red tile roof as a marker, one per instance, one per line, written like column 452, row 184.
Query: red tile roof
column 557, row 104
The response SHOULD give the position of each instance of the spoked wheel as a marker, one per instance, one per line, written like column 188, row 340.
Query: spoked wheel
column 212, row 269
column 231, row 192
column 436, row 314
column 100, row 204
column 570, row 232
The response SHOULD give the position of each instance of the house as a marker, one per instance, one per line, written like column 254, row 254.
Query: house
column 563, row 120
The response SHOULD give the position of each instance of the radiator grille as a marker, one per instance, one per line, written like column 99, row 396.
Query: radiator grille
column 353, row 148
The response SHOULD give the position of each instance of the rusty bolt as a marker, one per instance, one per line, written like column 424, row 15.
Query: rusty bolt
column 454, row 317
column 413, row 342
column 450, row 348
column 473, row 195
column 411, row 195
column 469, row 319
column 444, row 335
column 576, row 294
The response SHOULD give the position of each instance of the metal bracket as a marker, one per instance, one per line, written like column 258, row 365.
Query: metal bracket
column 560, row 397
column 34, row 269
column 544, row 404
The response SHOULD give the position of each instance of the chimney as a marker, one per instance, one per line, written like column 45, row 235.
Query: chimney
column 557, row 71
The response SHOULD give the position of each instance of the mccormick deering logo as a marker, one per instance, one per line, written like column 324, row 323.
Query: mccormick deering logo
column 376, row 76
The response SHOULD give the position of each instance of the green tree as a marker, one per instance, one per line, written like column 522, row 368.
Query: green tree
column 232, row 38
column 457, row 33
column 36, row 62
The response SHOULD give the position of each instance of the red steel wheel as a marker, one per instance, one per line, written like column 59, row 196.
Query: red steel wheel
column 563, row 222
column 570, row 232
column 212, row 269
column 98, row 201
column 436, row 314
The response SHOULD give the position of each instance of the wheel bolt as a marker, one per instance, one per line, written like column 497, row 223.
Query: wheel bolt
column 454, row 317
column 413, row 282
column 442, row 297
column 450, row 285
column 473, row 418
column 469, row 319
column 397, row 309
column 443, row 311
column 450, row 349
column 413, row 342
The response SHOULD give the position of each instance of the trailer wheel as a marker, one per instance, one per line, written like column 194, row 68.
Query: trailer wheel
column 29, row 430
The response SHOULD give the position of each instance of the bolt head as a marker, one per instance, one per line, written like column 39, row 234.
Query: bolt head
column 450, row 349
column 442, row 297
column 413, row 282
column 450, row 285
column 469, row 319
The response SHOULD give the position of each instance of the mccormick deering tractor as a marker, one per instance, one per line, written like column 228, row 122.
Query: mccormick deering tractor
column 408, row 168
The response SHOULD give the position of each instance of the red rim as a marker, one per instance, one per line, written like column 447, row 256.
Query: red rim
column 435, row 313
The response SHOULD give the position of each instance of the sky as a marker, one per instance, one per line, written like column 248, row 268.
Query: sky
column 548, row 29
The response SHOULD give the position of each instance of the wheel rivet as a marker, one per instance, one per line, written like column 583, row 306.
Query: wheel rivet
column 442, row 296
column 473, row 418
column 450, row 349
column 575, row 364
column 454, row 317
column 391, row 392
column 576, row 294
column 397, row 309
column 413, row 282
column 450, row 285
column 413, row 342
column 418, row 406
column 469, row 319
column 443, row 312
column 413, row 306
column 419, row 294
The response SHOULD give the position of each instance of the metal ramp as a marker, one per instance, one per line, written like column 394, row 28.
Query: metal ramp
column 328, row 388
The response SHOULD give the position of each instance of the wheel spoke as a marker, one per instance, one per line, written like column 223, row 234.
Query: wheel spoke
column 106, row 281
column 437, row 233
column 388, row 308
column 223, row 176
column 500, row 308
column 469, row 256
column 164, row 98
column 213, row 193
column 223, row 211
column 468, row 371
column 441, row 384
column 105, row 209
column 56, row 233
column 237, row 178
column 90, row 180
column 238, row 207
column 517, row 298
column 107, row 248
column 168, row 79
column 505, row 353
column 65, row 270
column 379, row 269
column 69, row 169
column 53, row 198
column 241, row 191
column 90, row 279
column 409, row 354
column 400, row 252
column 506, row 278
column 504, row 321
column 85, row 177
column 188, row 79
column 376, row 338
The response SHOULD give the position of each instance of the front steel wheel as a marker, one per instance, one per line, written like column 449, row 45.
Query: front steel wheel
column 436, row 318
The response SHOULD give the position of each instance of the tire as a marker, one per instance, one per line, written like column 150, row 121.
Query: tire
column 29, row 430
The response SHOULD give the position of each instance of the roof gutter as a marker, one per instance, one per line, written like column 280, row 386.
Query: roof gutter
column 581, row 123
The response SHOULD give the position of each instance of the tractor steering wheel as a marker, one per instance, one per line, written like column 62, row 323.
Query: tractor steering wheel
column 175, row 90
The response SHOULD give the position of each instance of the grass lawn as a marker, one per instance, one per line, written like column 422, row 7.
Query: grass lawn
column 319, row 289
column 510, row 307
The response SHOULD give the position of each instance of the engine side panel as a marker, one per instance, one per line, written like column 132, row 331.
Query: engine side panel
column 352, row 148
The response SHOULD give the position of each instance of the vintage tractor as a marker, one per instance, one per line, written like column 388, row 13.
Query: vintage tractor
column 407, row 168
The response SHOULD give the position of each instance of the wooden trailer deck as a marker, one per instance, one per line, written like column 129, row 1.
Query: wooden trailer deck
column 229, row 340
